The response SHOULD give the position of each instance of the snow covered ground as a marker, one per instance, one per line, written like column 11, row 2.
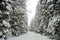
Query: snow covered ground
column 29, row 36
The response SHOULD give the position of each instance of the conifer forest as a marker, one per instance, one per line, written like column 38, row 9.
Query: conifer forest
column 29, row 19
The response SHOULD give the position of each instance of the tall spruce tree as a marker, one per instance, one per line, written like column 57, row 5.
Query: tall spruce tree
column 47, row 19
column 13, row 15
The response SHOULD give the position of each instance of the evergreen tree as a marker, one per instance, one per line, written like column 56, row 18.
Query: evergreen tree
column 47, row 18
column 11, row 18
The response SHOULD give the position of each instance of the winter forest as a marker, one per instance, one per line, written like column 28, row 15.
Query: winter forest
column 29, row 19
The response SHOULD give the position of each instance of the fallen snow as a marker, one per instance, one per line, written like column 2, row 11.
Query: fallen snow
column 29, row 36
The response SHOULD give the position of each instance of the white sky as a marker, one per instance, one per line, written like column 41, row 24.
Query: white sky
column 31, row 7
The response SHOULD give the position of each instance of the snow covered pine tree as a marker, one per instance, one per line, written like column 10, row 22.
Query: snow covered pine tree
column 47, row 19
column 5, row 25
column 11, row 18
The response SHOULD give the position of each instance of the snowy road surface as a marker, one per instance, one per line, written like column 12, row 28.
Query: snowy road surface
column 29, row 36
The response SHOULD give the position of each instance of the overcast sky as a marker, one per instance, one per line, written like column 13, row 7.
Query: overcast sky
column 31, row 7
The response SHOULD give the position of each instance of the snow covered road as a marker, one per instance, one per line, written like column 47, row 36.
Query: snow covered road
column 29, row 36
